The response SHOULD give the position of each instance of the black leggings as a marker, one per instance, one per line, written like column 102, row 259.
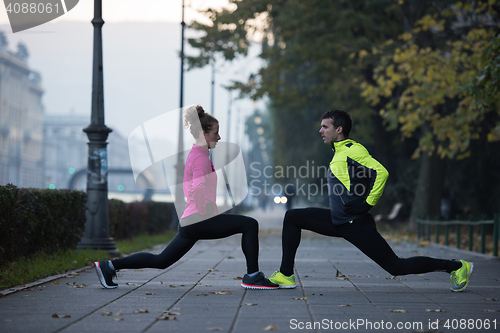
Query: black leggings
column 219, row 226
column 362, row 233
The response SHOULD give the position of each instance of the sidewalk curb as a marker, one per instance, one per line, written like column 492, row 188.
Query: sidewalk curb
column 463, row 251
column 15, row 289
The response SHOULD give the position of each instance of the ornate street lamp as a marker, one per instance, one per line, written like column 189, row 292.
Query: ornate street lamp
column 96, row 234
column 179, row 195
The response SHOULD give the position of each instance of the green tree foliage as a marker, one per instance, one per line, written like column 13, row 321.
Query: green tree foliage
column 424, row 63
column 486, row 89
column 306, row 46
column 431, row 86
column 223, row 37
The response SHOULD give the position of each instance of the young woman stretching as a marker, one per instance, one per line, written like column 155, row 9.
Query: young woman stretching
column 200, row 219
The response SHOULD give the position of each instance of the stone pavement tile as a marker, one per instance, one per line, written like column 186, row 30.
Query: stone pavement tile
column 110, row 324
column 213, row 266
column 181, row 324
column 275, row 309
column 448, row 297
column 283, row 322
column 480, row 311
column 325, row 297
column 406, row 297
column 33, row 322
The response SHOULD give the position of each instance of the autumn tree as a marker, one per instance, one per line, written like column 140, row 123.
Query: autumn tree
column 432, row 88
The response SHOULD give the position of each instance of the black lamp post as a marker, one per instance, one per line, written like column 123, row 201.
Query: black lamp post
column 96, row 234
column 179, row 192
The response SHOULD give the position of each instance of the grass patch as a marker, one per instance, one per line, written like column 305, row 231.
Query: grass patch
column 144, row 241
column 41, row 265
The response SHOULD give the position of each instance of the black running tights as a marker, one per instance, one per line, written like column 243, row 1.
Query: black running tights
column 362, row 233
column 219, row 226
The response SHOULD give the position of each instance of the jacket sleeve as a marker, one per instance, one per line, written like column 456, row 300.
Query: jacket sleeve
column 377, row 173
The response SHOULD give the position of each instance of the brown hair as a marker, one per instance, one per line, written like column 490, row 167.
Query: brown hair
column 339, row 118
column 195, row 115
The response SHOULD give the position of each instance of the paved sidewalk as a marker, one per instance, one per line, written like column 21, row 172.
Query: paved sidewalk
column 338, row 287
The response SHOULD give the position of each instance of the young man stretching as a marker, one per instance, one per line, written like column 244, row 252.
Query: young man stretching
column 355, row 183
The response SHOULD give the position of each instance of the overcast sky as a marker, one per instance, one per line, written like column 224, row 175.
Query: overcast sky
column 141, row 42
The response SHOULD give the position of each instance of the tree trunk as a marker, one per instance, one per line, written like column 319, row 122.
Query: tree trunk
column 429, row 191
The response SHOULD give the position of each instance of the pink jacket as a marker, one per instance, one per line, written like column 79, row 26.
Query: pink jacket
column 200, row 182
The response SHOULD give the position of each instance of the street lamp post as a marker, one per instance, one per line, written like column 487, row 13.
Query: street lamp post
column 96, row 234
column 179, row 191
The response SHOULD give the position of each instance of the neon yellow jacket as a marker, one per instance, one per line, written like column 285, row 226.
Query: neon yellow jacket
column 353, row 175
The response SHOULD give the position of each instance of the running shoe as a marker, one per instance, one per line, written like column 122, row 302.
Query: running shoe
column 459, row 279
column 257, row 281
column 286, row 282
column 105, row 274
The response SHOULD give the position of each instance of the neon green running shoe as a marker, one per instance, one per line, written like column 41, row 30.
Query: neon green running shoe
column 285, row 282
column 459, row 279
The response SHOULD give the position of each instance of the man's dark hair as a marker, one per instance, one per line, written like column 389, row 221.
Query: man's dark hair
column 339, row 118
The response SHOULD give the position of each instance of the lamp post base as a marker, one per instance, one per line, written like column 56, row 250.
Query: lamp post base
column 105, row 244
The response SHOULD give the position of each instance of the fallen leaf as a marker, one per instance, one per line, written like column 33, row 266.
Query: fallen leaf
column 166, row 317
column 230, row 257
column 436, row 310
column 271, row 327
column 70, row 283
column 424, row 243
column 117, row 319
column 225, row 292
column 238, row 278
column 142, row 298
column 57, row 282
column 215, row 329
column 55, row 315
column 489, row 299
column 131, row 284
column 171, row 313
column 201, row 294
column 197, row 283
column 150, row 293
column 107, row 313
column 398, row 310
column 345, row 305
column 300, row 298
column 120, row 313
column 80, row 286
column 172, row 286
column 141, row 311
column 213, row 270
column 395, row 277
column 250, row 304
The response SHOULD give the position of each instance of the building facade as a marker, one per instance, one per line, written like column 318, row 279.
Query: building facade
column 66, row 154
column 21, row 114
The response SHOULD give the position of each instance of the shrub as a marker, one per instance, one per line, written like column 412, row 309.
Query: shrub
column 130, row 219
column 34, row 220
